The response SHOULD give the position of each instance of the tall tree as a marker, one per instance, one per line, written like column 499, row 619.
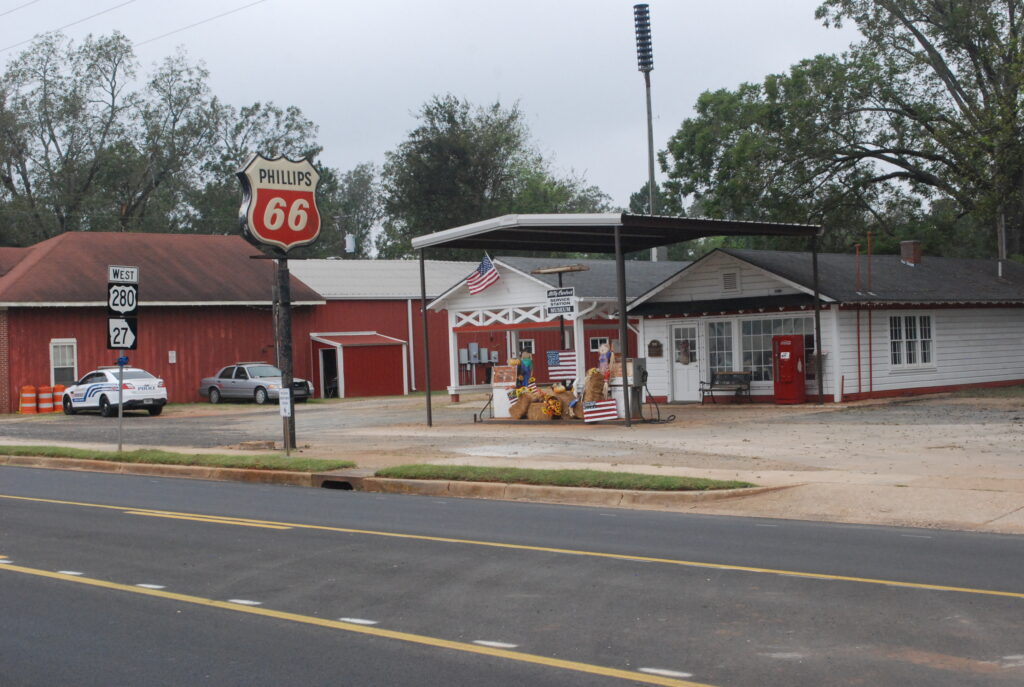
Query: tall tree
column 463, row 164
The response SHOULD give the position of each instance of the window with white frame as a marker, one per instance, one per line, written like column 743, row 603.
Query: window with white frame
column 757, row 344
column 63, row 361
column 596, row 342
column 720, row 346
column 526, row 346
column 910, row 341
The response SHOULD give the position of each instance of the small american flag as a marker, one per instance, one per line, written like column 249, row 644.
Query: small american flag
column 561, row 365
column 485, row 275
column 597, row 411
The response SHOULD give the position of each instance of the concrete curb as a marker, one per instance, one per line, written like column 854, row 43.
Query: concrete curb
column 362, row 480
column 298, row 479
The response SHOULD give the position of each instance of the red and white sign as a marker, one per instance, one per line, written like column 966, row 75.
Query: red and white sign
column 279, row 202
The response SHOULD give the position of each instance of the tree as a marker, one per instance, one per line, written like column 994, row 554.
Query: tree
column 350, row 204
column 463, row 164
column 925, row 110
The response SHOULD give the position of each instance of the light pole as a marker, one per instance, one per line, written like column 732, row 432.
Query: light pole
column 645, row 63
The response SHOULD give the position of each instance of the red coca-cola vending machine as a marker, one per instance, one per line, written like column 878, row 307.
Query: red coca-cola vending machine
column 788, row 369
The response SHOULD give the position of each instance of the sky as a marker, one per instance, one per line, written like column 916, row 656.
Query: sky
column 361, row 70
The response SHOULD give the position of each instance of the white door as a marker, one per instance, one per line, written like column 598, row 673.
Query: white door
column 685, row 365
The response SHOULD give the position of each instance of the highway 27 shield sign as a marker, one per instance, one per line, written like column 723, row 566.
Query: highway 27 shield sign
column 279, row 202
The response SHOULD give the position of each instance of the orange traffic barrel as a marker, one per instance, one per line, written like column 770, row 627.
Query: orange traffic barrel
column 45, row 399
column 58, row 396
column 28, row 400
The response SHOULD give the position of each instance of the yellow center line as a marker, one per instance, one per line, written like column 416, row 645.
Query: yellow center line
column 555, row 550
column 425, row 640
column 212, row 519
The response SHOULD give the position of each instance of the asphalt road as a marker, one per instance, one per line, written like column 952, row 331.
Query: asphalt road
column 554, row 595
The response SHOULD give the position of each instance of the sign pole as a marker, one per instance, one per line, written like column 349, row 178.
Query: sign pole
column 284, row 338
column 120, row 401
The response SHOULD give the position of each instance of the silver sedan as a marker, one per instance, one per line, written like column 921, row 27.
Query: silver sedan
column 259, row 382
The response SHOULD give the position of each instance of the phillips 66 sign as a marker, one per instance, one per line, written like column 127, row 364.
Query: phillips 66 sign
column 279, row 202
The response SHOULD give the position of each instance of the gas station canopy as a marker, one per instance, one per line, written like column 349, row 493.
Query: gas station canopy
column 595, row 233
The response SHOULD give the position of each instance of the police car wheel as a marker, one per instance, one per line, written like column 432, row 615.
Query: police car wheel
column 106, row 410
column 68, row 408
column 156, row 410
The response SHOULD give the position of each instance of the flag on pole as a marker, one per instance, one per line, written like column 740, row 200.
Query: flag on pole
column 561, row 365
column 485, row 275
column 596, row 411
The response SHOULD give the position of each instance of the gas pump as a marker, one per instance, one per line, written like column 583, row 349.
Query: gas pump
column 788, row 370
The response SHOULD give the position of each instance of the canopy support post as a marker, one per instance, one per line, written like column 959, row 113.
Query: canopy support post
column 620, row 279
column 426, row 336
column 817, row 322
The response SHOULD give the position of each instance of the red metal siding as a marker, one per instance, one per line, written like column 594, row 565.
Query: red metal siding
column 204, row 339
column 370, row 371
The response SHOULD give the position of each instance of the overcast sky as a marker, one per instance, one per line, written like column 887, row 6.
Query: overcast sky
column 361, row 69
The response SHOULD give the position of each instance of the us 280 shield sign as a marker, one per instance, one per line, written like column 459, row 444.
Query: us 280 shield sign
column 279, row 202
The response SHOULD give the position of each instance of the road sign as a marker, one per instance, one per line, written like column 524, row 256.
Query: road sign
column 123, row 299
column 562, row 302
column 122, row 333
column 120, row 274
column 279, row 202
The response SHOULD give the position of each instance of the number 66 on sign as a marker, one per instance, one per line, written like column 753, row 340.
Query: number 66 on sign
column 279, row 202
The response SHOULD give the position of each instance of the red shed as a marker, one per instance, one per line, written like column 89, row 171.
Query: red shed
column 203, row 303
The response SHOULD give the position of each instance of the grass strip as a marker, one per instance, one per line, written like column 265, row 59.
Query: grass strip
column 559, row 478
column 153, row 456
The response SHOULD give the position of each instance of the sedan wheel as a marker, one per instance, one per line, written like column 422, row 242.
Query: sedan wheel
column 106, row 410
column 260, row 396
column 68, row 408
column 214, row 395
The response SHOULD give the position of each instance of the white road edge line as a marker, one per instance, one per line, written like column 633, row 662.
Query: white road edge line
column 664, row 673
column 245, row 602
column 70, row 572
column 495, row 645
column 151, row 586
column 358, row 621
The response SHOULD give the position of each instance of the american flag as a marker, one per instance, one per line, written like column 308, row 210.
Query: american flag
column 485, row 275
column 596, row 411
column 561, row 365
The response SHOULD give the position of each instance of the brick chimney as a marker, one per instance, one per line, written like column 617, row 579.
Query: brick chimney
column 910, row 252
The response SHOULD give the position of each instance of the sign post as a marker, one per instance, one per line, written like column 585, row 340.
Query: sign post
column 122, row 326
column 279, row 213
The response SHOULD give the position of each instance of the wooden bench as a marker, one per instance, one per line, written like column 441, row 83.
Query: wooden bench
column 735, row 383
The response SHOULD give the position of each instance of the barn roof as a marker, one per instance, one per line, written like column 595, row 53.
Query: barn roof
column 174, row 269
column 378, row 279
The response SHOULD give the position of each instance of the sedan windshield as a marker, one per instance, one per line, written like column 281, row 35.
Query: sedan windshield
column 263, row 371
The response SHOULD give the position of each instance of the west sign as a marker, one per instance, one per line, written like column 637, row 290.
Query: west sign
column 279, row 202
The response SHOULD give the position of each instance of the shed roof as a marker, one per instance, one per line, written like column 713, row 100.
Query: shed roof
column 378, row 279
column 174, row 269
column 357, row 339
column 595, row 233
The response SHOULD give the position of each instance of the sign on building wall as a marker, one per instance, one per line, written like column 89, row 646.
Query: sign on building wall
column 562, row 302
column 279, row 202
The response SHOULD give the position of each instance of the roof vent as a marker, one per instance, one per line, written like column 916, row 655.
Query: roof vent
column 910, row 252
column 730, row 281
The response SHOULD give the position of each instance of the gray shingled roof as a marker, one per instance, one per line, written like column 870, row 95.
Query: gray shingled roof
column 599, row 280
column 933, row 280
column 378, row 279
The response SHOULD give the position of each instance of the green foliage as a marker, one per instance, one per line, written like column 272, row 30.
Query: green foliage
column 559, row 478
column 464, row 164
column 158, row 457
column 913, row 133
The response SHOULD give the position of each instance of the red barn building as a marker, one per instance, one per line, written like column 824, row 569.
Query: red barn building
column 203, row 303
column 369, row 333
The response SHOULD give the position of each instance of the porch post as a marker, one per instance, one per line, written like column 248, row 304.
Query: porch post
column 426, row 336
column 620, row 278
column 579, row 344
column 453, row 358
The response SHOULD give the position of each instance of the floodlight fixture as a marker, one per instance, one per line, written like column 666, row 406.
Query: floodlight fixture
column 644, row 50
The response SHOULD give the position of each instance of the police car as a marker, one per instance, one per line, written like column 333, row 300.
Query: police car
column 98, row 391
